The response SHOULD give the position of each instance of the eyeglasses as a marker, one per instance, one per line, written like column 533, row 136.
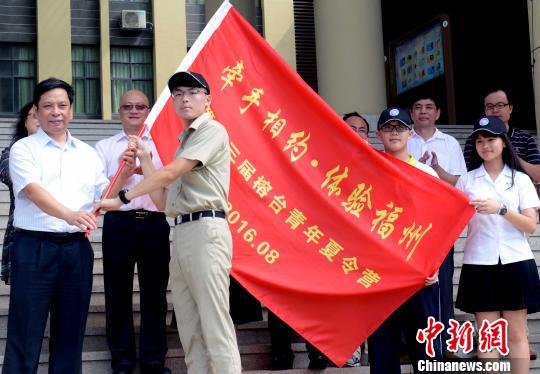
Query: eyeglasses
column 189, row 93
column 497, row 105
column 391, row 128
column 360, row 130
column 128, row 107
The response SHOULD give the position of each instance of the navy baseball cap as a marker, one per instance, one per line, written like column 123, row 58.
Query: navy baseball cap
column 491, row 124
column 188, row 79
column 394, row 114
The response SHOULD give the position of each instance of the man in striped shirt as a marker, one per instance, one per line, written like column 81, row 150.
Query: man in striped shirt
column 497, row 103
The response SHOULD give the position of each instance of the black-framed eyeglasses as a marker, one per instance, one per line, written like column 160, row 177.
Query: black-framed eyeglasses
column 391, row 128
column 496, row 105
column 188, row 93
column 128, row 107
column 360, row 130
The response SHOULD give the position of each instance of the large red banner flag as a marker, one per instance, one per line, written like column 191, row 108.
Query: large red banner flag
column 329, row 233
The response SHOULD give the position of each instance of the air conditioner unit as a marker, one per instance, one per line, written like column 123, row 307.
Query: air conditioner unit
column 133, row 19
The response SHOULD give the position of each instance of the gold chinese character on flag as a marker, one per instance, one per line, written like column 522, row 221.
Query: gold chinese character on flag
column 414, row 234
column 277, row 123
column 333, row 188
column 368, row 278
column 234, row 152
column 296, row 218
column 358, row 200
column 256, row 94
column 331, row 249
column 232, row 74
column 386, row 218
column 278, row 203
column 349, row 264
column 247, row 170
column 262, row 186
column 297, row 144
column 313, row 234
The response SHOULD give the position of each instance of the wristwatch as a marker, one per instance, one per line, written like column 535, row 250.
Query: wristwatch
column 502, row 210
column 122, row 196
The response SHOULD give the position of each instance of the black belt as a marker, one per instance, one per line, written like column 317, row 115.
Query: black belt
column 137, row 213
column 58, row 237
column 178, row 220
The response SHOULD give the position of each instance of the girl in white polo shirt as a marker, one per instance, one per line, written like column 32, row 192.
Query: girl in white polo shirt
column 499, row 278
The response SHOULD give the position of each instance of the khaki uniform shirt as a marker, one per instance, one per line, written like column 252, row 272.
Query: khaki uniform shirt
column 206, row 186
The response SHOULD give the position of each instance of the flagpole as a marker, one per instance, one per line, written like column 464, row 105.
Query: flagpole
column 192, row 54
column 165, row 95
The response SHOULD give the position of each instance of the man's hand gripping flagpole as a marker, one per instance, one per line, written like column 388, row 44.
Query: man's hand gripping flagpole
column 113, row 180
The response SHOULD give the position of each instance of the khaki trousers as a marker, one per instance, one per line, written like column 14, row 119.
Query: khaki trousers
column 199, row 274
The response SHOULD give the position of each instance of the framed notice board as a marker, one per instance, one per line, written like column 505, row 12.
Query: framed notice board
column 422, row 60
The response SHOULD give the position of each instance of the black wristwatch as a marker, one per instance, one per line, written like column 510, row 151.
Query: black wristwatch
column 502, row 210
column 122, row 196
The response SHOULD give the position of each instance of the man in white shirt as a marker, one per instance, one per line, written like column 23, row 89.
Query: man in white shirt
column 56, row 178
column 443, row 153
column 137, row 233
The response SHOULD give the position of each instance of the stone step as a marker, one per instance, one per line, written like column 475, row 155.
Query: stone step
column 255, row 360
column 95, row 334
column 254, row 357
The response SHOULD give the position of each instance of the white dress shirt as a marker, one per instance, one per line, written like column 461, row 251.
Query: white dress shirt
column 447, row 148
column 491, row 236
column 72, row 174
column 110, row 150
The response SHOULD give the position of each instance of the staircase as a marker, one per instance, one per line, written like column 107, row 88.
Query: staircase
column 253, row 338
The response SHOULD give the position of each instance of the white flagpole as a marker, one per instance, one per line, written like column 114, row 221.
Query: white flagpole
column 192, row 54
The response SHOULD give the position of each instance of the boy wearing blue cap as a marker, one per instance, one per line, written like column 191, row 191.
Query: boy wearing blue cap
column 394, row 129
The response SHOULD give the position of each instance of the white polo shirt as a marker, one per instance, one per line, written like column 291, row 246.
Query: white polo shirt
column 110, row 150
column 491, row 236
column 447, row 148
column 72, row 174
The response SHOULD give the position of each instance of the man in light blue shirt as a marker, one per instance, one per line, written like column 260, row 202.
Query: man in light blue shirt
column 56, row 178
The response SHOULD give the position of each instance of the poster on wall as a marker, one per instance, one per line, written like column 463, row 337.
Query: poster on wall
column 419, row 59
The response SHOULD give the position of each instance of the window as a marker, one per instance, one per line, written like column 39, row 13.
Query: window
column 85, row 65
column 195, row 20
column 131, row 69
column 17, row 76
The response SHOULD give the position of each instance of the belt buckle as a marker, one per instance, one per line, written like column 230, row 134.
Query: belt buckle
column 140, row 214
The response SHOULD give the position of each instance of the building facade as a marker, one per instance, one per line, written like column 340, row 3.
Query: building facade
column 340, row 48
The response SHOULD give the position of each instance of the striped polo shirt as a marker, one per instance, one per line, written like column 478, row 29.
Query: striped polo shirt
column 524, row 144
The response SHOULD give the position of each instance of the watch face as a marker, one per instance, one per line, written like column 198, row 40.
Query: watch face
column 503, row 211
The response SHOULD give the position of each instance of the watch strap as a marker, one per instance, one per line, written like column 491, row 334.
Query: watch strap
column 122, row 197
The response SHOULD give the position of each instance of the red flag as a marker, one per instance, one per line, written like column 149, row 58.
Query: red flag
column 329, row 233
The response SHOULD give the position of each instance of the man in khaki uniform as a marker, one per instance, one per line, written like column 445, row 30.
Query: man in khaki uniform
column 198, row 181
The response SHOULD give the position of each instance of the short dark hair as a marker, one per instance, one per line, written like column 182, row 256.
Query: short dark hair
column 50, row 84
column 426, row 96
column 493, row 89
column 20, row 129
column 355, row 114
